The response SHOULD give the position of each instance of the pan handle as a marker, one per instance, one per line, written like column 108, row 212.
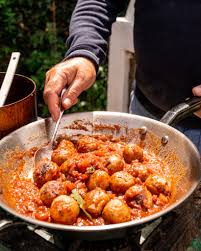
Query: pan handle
column 182, row 111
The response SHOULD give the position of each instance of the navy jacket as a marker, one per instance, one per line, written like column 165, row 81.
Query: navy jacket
column 167, row 42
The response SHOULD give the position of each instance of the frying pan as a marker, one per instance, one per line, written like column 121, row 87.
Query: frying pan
column 168, row 143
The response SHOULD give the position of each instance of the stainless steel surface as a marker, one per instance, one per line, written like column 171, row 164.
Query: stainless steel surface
column 165, row 139
column 45, row 152
column 180, row 154
column 143, row 130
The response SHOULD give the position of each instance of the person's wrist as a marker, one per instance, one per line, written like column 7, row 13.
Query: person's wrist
column 92, row 65
column 83, row 53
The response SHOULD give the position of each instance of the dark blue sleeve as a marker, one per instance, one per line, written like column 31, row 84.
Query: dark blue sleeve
column 90, row 28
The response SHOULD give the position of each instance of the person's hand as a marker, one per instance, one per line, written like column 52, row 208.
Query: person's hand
column 197, row 92
column 76, row 74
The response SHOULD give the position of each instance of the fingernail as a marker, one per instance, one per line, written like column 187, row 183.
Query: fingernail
column 67, row 102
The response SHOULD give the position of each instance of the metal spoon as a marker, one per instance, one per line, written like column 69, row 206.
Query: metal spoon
column 45, row 152
column 5, row 87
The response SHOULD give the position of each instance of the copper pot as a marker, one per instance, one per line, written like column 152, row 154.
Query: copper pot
column 20, row 107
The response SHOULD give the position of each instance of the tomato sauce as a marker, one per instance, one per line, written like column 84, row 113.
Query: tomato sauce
column 99, row 180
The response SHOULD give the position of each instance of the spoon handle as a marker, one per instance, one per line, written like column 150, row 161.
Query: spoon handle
column 56, row 127
column 5, row 87
column 58, row 121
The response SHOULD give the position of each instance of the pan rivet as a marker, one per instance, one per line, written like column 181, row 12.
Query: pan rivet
column 143, row 130
column 164, row 140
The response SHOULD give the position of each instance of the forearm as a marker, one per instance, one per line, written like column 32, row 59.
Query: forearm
column 90, row 28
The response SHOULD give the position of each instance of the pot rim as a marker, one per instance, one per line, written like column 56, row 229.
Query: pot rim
column 30, row 94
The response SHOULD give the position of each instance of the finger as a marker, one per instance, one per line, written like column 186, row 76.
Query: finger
column 68, row 102
column 78, row 85
column 56, row 81
column 53, row 103
column 75, row 102
column 198, row 113
column 53, row 87
column 197, row 90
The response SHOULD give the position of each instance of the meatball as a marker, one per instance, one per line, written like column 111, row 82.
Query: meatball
column 138, row 196
column 115, row 164
column 95, row 201
column 66, row 144
column 116, row 211
column 155, row 167
column 99, row 179
column 67, row 164
column 157, row 184
column 79, row 162
column 162, row 200
column 45, row 171
column 64, row 150
column 64, row 209
column 84, row 161
column 87, row 144
column 50, row 190
column 132, row 152
column 121, row 181
column 138, row 170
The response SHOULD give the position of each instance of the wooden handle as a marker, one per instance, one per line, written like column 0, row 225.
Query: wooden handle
column 5, row 87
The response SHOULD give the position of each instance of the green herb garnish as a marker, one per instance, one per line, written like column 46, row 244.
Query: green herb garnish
column 80, row 202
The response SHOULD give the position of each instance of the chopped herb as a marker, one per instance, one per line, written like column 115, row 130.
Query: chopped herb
column 80, row 202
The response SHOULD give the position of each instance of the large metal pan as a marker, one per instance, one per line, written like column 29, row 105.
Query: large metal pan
column 179, row 152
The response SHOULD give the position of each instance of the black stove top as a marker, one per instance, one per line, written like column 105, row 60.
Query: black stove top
column 173, row 232
column 16, row 235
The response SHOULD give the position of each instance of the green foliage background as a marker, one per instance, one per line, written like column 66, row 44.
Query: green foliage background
column 38, row 29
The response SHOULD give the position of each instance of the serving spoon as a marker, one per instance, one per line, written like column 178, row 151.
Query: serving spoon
column 45, row 152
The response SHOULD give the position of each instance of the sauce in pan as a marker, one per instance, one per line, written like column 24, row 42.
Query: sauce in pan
column 94, row 180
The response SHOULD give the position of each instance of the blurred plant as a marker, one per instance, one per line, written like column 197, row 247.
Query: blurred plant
column 38, row 29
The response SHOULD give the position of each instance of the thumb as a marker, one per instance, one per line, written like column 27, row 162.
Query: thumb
column 197, row 90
